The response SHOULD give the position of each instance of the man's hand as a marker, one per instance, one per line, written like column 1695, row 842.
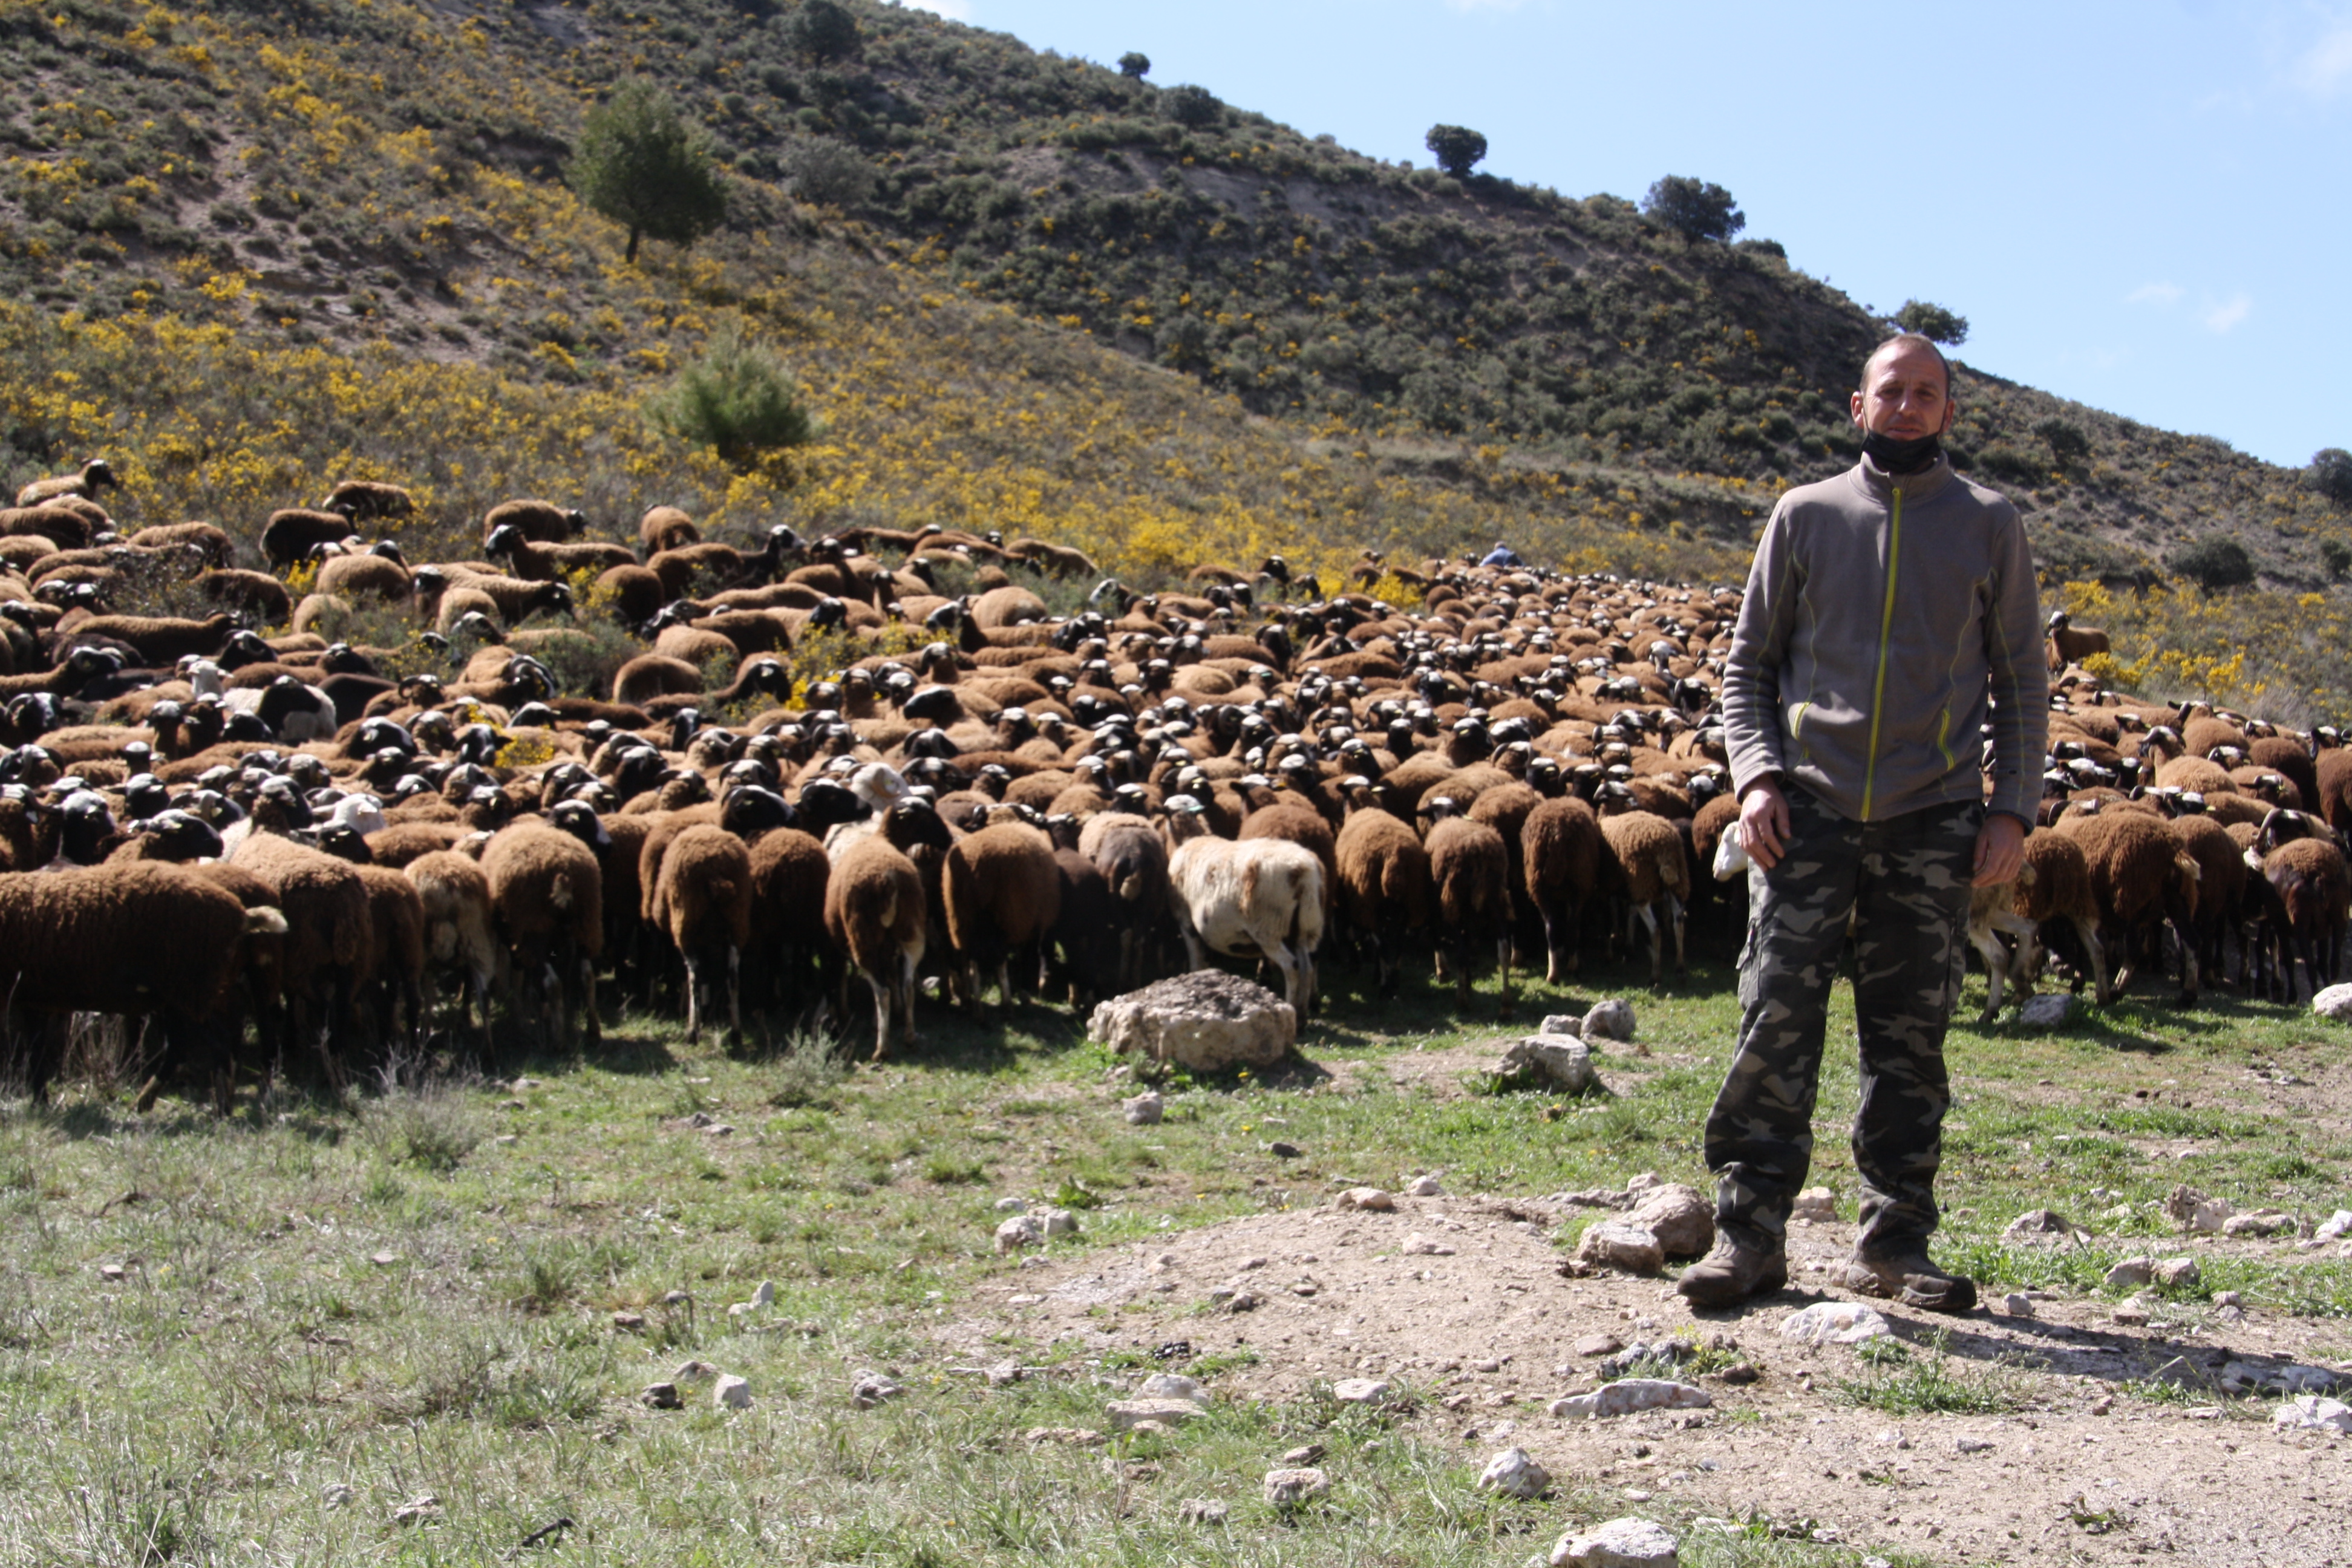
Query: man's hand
column 1764, row 824
column 2001, row 850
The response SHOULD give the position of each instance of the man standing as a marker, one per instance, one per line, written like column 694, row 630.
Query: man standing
column 1885, row 607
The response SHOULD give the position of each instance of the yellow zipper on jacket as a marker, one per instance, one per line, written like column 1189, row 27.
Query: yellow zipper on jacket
column 1885, row 637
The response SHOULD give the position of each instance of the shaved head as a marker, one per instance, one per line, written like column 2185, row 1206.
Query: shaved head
column 1911, row 342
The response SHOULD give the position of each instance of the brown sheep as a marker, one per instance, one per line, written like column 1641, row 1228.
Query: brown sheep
column 547, row 893
column 702, row 899
column 293, row 533
column 208, row 540
column 366, row 574
column 455, row 899
column 539, row 563
column 877, row 914
column 1002, row 893
column 1649, row 853
column 1007, row 606
column 789, row 874
column 93, row 477
column 64, row 528
column 2311, row 880
column 1470, row 870
column 633, row 593
column 1133, row 859
column 367, row 500
column 541, row 521
column 2292, row 761
column 1561, row 849
column 162, row 639
column 330, row 937
column 1384, row 886
column 2071, row 644
column 254, row 594
column 2144, row 879
column 665, row 528
column 2060, row 888
column 396, row 960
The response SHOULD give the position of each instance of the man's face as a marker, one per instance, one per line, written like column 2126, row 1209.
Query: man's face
column 1902, row 395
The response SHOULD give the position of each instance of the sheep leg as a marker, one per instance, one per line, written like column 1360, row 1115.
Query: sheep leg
column 1551, row 945
column 906, row 997
column 1005, row 985
column 1996, row 963
column 1293, row 988
column 1677, row 918
column 693, row 999
column 2175, row 910
column 1648, row 916
column 1504, row 949
column 2088, row 934
column 734, row 995
column 883, row 994
column 591, row 1024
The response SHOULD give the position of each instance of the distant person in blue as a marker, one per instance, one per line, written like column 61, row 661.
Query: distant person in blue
column 1502, row 555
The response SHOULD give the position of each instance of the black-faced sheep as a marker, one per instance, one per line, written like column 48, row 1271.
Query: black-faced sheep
column 1470, row 872
column 701, row 898
column 329, row 938
column 1002, row 893
column 1133, row 861
column 541, row 520
column 539, row 563
column 2143, row 879
column 162, row 639
column 1384, row 886
column 1263, row 898
column 293, row 533
column 368, row 499
column 85, row 483
column 395, row 964
column 875, row 913
column 2310, row 878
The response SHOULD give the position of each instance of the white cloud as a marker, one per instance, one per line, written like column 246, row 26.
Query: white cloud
column 2324, row 68
column 2154, row 294
column 953, row 10
column 2220, row 318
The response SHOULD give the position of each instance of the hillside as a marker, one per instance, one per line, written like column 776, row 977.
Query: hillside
column 265, row 245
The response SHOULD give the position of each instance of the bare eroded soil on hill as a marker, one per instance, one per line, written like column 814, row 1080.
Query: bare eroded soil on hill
column 1482, row 1334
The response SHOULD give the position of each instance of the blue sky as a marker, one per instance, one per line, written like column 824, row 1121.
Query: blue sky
column 2145, row 206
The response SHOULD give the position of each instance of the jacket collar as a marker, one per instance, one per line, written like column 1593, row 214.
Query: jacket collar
column 1880, row 486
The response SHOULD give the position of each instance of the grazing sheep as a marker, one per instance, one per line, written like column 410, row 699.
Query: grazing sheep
column 789, row 874
column 254, row 594
column 1656, row 870
column 651, row 674
column 93, row 477
column 365, row 574
column 2143, row 879
column 1263, row 898
column 330, row 937
column 875, row 913
column 635, row 593
column 2310, row 878
column 162, row 639
column 396, row 962
column 516, row 599
column 1384, row 886
column 1133, row 861
column 455, row 897
column 547, row 891
column 2071, row 644
column 701, row 898
column 1001, row 607
column 665, row 528
column 292, row 533
column 1561, row 850
column 541, row 520
column 368, row 499
column 1002, row 893
column 1470, row 870
column 538, row 563
column 212, row 545
column 2061, row 890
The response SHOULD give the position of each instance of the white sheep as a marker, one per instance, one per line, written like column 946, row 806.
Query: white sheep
column 1258, row 898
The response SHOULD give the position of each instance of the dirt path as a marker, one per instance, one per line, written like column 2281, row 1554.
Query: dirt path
column 1485, row 1328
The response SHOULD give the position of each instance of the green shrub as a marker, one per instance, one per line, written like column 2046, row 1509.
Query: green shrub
column 2213, row 564
column 1195, row 107
column 737, row 400
column 1933, row 323
column 2331, row 474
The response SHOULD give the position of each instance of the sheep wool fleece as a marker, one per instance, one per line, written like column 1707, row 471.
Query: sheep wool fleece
column 1903, row 883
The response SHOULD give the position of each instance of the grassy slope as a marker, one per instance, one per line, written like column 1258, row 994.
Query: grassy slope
column 375, row 173
column 256, row 1350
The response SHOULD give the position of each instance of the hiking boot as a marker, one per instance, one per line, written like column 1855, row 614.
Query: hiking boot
column 1904, row 1272
column 1733, row 1272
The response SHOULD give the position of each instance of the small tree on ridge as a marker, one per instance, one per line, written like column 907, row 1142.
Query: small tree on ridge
column 1696, row 209
column 1456, row 147
column 639, row 164
column 1134, row 65
column 1933, row 323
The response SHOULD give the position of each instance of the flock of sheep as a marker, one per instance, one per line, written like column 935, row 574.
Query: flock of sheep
column 271, row 846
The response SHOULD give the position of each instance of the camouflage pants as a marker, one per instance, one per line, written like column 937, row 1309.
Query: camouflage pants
column 1903, row 884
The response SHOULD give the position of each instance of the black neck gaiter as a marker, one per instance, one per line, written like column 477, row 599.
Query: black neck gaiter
column 1900, row 458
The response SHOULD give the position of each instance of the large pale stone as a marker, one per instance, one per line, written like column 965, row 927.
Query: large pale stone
column 1609, row 1020
column 1514, row 1472
column 1125, row 1413
column 1207, row 1021
column 1621, row 1244
column 1620, row 1543
column 1681, row 1220
column 1629, row 1395
column 1833, row 1323
column 1547, row 1061
column 1288, row 1489
column 2333, row 1003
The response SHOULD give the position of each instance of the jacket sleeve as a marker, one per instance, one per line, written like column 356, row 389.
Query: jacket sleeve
column 2021, row 680
column 1759, row 645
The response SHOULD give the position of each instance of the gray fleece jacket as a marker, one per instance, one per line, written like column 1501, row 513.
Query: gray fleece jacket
column 1881, row 615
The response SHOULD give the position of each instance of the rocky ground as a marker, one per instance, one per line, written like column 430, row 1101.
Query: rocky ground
column 2096, row 1439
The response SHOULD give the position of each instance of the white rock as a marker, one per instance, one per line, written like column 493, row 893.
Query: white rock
column 868, row 1388
column 1011, row 1205
column 1620, row 1543
column 1288, row 1489
column 2038, row 1227
column 2131, row 1273
column 1430, row 1187
column 1126, row 1413
column 1681, row 1220
column 1021, row 1230
column 1170, row 1385
column 1816, row 1204
column 2313, row 1412
column 2267, row 1222
column 1207, row 1021
column 2017, row 1304
column 1370, row 1198
column 1418, row 1246
column 1629, row 1395
column 1609, row 1020
column 1973, row 1444
column 1571, row 1025
column 1515, row 1473
column 1057, row 1222
column 1621, row 1244
column 1833, row 1323
column 1360, row 1391
column 731, row 1393
column 765, row 1296
column 2177, row 1274
column 1547, row 1061
column 1145, row 1110
column 2336, row 1223
column 2054, row 1011
column 2333, row 1003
